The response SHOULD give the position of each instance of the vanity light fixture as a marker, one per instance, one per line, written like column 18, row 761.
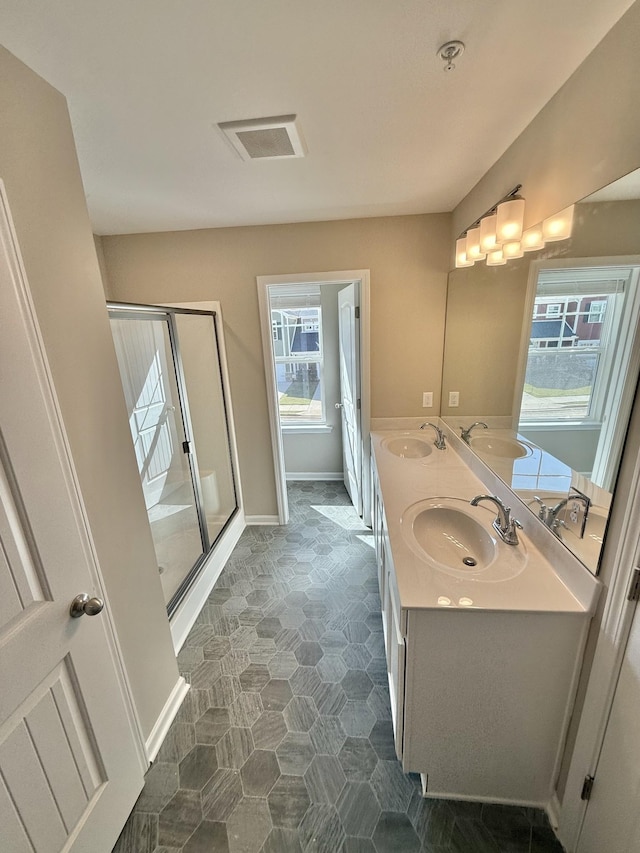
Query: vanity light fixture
column 512, row 250
column 532, row 239
column 496, row 258
column 558, row 227
column 510, row 219
column 474, row 252
column 461, row 253
column 499, row 237
column 488, row 233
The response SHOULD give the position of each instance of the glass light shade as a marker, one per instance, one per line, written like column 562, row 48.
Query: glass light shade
column 461, row 253
column 509, row 219
column 512, row 250
column 488, row 238
column 496, row 259
column 532, row 239
column 474, row 252
column 558, row 227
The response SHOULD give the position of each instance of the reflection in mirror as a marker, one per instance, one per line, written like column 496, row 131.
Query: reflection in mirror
column 581, row 364
column 546, row 351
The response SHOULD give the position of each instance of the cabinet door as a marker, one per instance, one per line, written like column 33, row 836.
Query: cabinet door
column 395, row 648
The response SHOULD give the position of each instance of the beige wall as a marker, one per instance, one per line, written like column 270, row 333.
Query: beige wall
column 39, row 168
column 408, row 258
column 584, row 138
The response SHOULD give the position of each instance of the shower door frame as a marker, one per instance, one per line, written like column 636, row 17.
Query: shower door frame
column 135, row 311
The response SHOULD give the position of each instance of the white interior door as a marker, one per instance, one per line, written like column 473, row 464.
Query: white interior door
column 612, row 819
column 70, row 756
column 349, row 336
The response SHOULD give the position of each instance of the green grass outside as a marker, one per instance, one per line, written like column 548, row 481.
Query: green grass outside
column 557, row 392
column 285, row 400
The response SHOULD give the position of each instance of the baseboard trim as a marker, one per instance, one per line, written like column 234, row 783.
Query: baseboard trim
column 553, row 810
column 303, row 476
column 189, row 609
column 167, row 716
column 262, row 519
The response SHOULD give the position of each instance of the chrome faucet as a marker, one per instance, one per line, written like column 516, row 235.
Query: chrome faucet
column 549, row 514
column 439, row 442
column 503, row 524
column 465, row 433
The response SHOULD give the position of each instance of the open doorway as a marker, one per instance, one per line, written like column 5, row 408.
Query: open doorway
column 315, row 334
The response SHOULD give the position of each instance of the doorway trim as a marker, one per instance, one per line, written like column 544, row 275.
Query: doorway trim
column 264, row 282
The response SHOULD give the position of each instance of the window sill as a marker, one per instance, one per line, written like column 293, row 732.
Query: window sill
column 305, row 429
column 559, row 425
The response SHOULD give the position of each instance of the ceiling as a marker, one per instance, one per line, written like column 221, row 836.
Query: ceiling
column 387, row 131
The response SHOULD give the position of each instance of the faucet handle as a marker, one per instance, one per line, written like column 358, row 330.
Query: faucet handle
column 510, row 535
column 544, row 509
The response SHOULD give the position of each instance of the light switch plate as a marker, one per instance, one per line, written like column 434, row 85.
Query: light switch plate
column 427, row 399
column 454, row 398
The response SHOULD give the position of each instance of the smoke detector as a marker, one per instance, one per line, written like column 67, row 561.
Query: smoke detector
column 274, row 138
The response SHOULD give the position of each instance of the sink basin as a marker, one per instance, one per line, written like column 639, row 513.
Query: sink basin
column 407, row 447
column 506, row 448
column 450, row 535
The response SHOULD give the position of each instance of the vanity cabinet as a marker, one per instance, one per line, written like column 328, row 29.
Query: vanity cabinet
column 394, row 640
column 480, row 698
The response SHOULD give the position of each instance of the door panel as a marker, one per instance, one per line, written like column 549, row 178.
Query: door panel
column 208, row 417
column 143, row 350
column 350, row 393
column 70, row 759
column 612, row 819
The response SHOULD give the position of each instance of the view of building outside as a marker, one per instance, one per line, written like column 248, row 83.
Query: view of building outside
column 565, row 350
column 297, row 345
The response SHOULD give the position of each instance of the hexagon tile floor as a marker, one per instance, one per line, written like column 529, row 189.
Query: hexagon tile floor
column 284, row 742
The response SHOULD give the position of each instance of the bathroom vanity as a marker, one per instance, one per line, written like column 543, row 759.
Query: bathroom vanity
column 484, row 639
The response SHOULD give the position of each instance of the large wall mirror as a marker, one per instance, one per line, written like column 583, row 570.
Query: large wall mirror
column 544, row 352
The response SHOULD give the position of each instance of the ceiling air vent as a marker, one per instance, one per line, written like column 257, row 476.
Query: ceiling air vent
column 265, row 138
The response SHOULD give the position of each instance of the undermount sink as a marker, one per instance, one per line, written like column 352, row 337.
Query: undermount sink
column 506, row 448
column 407, row 447
column 452, row 536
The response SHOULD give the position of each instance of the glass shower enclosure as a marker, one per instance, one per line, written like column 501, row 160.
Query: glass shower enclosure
column 170, row 366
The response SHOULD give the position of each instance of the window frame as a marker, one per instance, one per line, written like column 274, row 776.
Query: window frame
column 304, row 424
column 586, row 270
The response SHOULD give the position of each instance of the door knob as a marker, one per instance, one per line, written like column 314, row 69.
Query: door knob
column 82, row 604
column 338, row 405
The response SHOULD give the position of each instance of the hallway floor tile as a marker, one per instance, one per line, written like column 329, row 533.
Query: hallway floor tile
column 284, row 743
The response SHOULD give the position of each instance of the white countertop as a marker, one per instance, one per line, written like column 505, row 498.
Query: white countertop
column 537, row 588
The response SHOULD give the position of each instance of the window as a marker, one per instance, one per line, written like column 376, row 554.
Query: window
column 299, row 362
column 596, row 311
column 569, row 361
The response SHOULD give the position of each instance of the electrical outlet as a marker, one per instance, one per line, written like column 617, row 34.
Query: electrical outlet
column 427, row 399
column 576, row 512
column 454, row 399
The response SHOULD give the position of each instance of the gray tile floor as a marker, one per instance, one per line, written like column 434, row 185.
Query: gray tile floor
column 284, row 742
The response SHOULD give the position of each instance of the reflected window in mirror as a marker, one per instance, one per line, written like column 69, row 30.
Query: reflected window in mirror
column 581, row 340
